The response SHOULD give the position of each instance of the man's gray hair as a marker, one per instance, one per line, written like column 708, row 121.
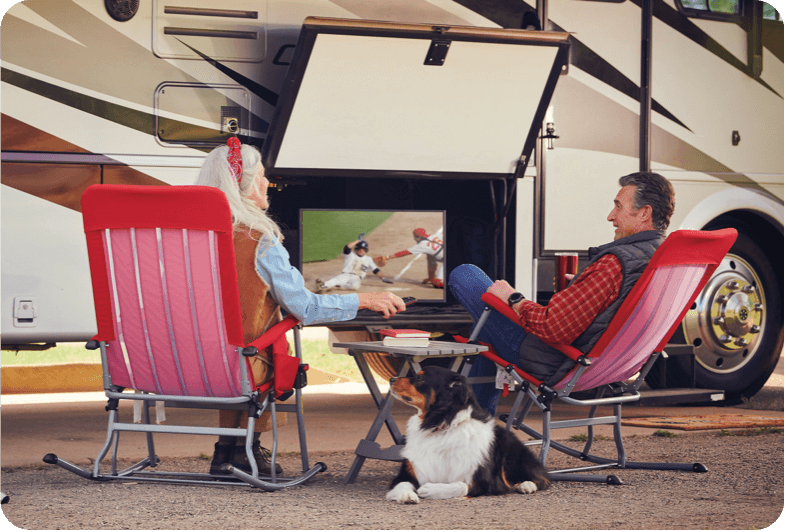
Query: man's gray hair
column 654, row 190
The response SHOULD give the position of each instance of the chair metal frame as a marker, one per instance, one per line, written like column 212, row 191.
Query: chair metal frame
column 147, row 347
column 693, row 254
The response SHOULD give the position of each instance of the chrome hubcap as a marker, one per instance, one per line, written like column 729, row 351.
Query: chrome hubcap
column 727, row 322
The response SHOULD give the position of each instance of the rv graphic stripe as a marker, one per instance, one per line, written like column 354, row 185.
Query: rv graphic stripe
column 138, row 120
column 263, row 92
column 124, row 116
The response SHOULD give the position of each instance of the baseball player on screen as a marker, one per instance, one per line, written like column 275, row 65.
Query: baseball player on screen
column 357, row 264
column 433, row 247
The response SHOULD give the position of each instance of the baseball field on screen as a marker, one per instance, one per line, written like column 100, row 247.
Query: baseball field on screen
column 325, row 233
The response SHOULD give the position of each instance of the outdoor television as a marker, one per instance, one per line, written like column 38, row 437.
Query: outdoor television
column 325, row 232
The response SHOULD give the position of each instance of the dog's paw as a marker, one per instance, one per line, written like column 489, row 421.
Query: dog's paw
column 403, row 493
column 443, row 491
column 408, row 497
column 527, row 487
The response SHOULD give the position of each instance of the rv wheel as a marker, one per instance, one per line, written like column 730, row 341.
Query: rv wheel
column 735, row 326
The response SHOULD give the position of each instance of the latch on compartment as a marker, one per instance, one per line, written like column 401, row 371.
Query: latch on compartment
column 25, row 312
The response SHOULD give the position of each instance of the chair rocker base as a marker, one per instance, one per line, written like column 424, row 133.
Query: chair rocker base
column 571, row 474
column 280, row 483
column 232, row 476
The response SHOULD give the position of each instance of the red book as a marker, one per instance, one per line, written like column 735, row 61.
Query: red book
column 405, row 333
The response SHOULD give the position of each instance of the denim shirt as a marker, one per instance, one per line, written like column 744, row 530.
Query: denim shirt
column 288, row 289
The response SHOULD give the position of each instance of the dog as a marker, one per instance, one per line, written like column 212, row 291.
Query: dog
column 453, row 446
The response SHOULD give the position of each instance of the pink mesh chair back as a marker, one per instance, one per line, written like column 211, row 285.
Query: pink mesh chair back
column 653, row 310
column 165, row 288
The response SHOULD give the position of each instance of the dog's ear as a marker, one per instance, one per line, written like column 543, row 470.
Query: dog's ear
column 460, row 389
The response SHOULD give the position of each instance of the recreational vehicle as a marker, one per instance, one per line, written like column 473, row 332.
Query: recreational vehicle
column 519, row 153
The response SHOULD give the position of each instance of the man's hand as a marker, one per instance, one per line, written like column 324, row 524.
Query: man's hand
column 501, row 289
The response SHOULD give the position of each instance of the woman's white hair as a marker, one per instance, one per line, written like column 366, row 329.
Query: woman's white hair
column 215, row 172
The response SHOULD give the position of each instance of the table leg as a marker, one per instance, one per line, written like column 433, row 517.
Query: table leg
column 376, row 395
column 367, row 447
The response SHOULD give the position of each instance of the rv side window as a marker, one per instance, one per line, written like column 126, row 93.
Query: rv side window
column 770, row 13
column 715, row 9
column 722, row 9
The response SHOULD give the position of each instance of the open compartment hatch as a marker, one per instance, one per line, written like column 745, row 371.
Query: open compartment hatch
column 378, row 99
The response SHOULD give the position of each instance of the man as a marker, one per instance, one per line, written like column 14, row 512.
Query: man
column 433, row 247
column 356, row 264
column 579, row 314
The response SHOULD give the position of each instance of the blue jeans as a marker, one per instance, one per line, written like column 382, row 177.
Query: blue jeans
column 468, row 283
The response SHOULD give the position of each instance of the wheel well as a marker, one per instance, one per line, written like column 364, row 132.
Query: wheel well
column 764, row 232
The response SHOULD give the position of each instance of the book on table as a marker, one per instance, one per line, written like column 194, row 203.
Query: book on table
column 405, row 337
column 405, row 333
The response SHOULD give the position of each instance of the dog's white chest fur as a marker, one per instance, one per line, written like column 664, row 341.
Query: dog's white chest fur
column 450, row 454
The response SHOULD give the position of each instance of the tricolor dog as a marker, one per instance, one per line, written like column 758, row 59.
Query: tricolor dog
column 453, row 446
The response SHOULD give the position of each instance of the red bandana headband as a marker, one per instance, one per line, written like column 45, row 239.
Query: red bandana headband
column 234, row 158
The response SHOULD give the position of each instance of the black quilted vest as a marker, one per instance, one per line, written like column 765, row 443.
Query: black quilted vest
column 634, row 252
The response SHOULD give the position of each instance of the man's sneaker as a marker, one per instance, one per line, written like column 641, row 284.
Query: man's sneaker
column 320, row 286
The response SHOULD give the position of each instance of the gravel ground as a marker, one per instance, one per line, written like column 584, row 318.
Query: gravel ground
column 742, row 490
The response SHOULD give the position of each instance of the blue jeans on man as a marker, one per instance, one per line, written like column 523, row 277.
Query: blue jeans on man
column 468, row 283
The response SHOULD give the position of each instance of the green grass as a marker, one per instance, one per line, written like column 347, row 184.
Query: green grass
column 316, row 353
column 62, row 354
column 325, row 233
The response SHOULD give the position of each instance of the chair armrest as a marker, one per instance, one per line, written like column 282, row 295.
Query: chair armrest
column 274, row 332
column 503, row 308
column 500, row 306
column 572, row 353
column 286, row 368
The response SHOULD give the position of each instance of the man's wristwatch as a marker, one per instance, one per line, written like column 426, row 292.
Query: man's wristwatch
column 514, row 298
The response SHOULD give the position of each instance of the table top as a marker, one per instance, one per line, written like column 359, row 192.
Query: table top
column 434, row 349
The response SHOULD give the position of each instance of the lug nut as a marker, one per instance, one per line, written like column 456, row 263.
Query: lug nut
column 718, row 320
column 733, row 285
column 725, row 338
column 758, row 306
column 724, row 298
column 755, row 329
column 742, row 342
column 748, row 289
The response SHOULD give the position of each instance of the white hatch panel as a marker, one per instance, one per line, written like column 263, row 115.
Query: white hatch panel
column 370, row 103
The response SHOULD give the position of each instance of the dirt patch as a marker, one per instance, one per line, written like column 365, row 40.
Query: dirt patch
column 742, row 490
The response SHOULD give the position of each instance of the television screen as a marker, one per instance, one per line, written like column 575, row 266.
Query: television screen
column 414, row 241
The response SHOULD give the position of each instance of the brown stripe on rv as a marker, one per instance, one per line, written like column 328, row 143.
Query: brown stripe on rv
column 62, row 184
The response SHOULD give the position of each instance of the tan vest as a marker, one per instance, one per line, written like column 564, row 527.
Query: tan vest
column 258, row 310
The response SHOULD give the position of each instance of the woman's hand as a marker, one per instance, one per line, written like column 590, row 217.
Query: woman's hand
column 385, row 303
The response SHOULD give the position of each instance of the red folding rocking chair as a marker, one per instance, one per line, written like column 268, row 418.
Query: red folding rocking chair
column 635, row 338
column 162, row 263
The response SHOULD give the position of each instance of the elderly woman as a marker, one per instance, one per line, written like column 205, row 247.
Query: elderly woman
column 268, row 283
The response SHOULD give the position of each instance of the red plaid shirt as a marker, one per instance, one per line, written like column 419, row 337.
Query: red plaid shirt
column 571, row 311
